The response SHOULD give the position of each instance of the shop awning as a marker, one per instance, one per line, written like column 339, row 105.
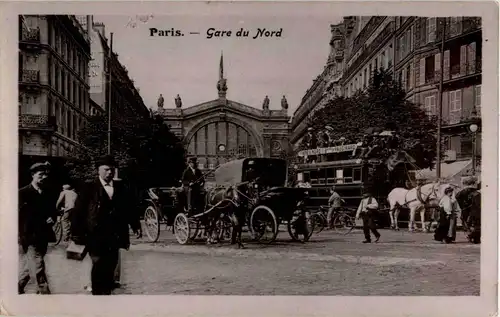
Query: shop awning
column 452, row 172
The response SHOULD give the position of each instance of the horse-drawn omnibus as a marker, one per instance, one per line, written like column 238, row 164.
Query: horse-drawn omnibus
column 335, row 166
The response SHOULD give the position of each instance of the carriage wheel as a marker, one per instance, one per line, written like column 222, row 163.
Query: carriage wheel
column 182, row 229
column 318, row 222
column 152, row 222
column 293, row 232
column 262, row 221
column 343, row 224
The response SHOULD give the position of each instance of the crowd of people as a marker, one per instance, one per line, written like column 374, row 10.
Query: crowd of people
column 373, row 144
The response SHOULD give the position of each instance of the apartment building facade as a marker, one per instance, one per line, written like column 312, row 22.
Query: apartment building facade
column 54, row 52
column 409, row 48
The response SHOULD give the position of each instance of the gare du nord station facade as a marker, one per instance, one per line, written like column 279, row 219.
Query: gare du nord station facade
column 221, row 130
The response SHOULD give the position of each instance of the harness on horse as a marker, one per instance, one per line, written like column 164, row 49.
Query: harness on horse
column 420, row 197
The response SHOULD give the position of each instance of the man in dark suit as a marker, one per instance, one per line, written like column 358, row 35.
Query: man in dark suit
column 102, row 224
column 37, row 214
column 193, row 182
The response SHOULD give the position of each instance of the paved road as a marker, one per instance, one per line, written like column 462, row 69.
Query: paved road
column 402, row 263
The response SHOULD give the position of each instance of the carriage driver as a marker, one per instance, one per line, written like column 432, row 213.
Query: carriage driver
column 193, row 182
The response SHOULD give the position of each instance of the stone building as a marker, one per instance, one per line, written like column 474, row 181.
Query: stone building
column 221, row 130
column 54, row 52
column 409, row 47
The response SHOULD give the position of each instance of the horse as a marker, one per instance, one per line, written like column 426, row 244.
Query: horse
column 220, row 202
column 415, row 199
column 469, row 200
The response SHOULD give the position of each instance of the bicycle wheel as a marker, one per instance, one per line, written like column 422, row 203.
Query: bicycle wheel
column 318, row 222
column 343, row 223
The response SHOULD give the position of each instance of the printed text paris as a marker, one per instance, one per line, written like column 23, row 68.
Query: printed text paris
column 260, row 33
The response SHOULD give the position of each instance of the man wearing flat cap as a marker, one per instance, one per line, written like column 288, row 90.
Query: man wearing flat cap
column 102, row 225
column 193, row 182
column 37, row 214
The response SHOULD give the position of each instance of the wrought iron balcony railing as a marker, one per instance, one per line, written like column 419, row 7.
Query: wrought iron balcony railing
column 30, row 76
column 32, row 35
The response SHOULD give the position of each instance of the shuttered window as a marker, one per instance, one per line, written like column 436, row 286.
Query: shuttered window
column 446, row 65
column 456, row 100
column 431, row 30
column 463, row 60
column 422, row 72
column 430, row 105
column 471, row 58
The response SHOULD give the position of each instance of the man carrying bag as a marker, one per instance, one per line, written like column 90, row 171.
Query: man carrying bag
column 102, row 224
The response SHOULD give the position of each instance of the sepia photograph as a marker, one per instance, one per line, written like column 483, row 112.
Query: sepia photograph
column 247, row 154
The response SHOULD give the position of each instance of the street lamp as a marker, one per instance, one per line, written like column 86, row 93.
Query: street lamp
column 473, row 128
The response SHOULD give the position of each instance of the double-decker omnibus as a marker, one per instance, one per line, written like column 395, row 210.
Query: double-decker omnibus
column 351, row 177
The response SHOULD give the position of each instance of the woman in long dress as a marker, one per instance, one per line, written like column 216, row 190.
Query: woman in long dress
column 449, row 209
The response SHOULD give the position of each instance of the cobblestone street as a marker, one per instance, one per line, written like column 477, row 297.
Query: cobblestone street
column 402, row 263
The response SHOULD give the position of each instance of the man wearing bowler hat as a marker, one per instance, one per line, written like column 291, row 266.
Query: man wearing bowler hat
column 193, row 182
column 104, row 215
column 37, row 214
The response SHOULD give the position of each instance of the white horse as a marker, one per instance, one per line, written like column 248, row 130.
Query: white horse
column 415, row 199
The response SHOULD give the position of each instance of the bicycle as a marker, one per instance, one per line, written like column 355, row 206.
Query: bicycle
column 58, row 230
column 342, row 221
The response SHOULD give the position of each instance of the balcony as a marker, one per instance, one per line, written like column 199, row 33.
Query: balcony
column 467, row 115
column 374, row 45
column 32, row 36
column 339, row 55
column 471, row 24
column 37, row 122
column 30, row 76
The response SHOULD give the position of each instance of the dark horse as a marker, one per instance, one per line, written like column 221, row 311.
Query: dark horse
column 223, row 211
column 469, row 200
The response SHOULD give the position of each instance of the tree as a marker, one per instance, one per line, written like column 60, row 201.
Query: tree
column 148, row 154
column 382, row 106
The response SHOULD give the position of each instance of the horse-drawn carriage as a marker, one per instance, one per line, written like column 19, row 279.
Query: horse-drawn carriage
column 247, row 192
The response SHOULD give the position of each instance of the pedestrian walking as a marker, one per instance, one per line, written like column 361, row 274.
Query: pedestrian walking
column 37, row 214
column 66, row 203
column 447, row 225
column 104, row 216
column 367, row 210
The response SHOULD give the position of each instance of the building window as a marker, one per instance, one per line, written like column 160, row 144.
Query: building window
column 408, row 77
column 477, row 96
column 366, row 78
column 455, row 58
column 429, row 69
column 431, row 30
column 456, row 100
column 430, row 105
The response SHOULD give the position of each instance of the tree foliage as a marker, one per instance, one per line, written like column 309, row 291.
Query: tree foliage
column 382, row 106
column 147, row 153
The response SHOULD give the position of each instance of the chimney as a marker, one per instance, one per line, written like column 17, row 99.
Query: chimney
column 99, row 27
